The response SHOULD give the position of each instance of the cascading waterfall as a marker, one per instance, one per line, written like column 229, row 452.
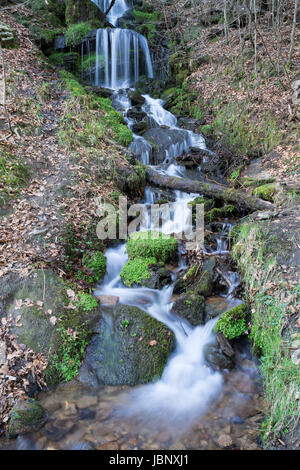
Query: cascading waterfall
column 121, row 57
column 116, row 12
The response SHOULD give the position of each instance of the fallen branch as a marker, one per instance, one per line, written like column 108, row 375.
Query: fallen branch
column 240, row 199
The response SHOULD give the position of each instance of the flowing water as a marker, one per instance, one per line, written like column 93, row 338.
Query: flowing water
column 191, row 406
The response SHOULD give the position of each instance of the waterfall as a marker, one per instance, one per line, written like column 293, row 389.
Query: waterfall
column 122, row 56
column 117, row 11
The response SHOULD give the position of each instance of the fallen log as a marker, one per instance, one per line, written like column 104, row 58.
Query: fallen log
column 240, row 199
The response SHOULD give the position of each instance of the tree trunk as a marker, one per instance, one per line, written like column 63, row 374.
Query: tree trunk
column 216, row 191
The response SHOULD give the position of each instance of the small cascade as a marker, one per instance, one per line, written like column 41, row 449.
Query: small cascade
column 121, row 57
column 117, row 11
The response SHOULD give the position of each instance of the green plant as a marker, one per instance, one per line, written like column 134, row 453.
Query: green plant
column 76, row 32
column 65, row 364
column 96, row 262
column 233, row 322
column 86, row 302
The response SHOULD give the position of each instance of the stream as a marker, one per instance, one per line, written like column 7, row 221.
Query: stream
column 192, row 406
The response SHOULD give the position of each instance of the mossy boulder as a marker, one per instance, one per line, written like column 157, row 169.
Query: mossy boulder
column 129, row 179
column 219, row 213
column 266, row 192
column 233, row 323
column 190, row 307
column 26, row 416
column 152, row 244
column 140, row 127
column 136, row 98
column 8, row 38
column 129, row 347
column 145, row 272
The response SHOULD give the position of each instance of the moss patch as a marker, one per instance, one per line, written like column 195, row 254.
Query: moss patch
column 152, row 244
column 266, row 192
column 26, row 416
column 233, row 322
column 136, row 270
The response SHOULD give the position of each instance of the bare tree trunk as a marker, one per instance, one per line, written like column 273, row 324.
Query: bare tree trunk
column 293, row 32
column 110, row 7
column 3, row 103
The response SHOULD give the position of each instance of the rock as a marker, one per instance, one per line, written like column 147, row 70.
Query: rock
column 215, row 306
column 204, row 284
column 215, row 357
column 224, row 344
column 108, row 299
column 160, row 277
column 140, row 127
column 190, row 307
column 224, row 441
column 256, row 171
column 136, row 113
column 26, row 416
column 166, row 141
column 296, row 357
column 120, row 352
column 2, row 353
column 136, row 98
column 190, row 124
column 100, row 91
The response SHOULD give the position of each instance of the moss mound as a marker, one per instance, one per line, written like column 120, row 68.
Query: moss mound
column 266, row 192
column 233, row 322
column 26, row 416
column 152, row 244
column 136, row 270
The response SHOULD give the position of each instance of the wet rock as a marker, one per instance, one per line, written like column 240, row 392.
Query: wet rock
column 140, row 127
column 215, row 306
column 163, row 141
column 26, row 416
column 108, row 300
column 190, row 124
column 136, row 113
column 160, row 277
column 224, row 344
column 204, row 284
column 120, row 352
column 100, row 91
column 214, row 356
column 136, row 98
column 190, row 307
column 86, row 401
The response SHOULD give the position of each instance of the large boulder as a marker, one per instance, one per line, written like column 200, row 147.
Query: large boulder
column 166, row 143
column 129, row 347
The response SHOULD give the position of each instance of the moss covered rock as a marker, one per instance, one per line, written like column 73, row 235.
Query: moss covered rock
column 190, row 307
column 26, row 416
column 130, row 347
column 233, row 322
column 197, row 281
column 266, row 192
column 152, row 244
column 95, row 264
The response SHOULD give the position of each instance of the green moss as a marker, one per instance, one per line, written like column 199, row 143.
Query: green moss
column 219, row 213
column 266, row 192
column 76, row 32
column 25, row 416
column 152, row 244
column 96, row 263
column 146, row 22
column 72, row 84
column 58, row 58
column 136, row 270
column 233, row 322
column 86, row 302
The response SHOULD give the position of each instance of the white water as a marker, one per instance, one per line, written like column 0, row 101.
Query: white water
column 117, row 11
column 187, row 385
column 122, row 56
